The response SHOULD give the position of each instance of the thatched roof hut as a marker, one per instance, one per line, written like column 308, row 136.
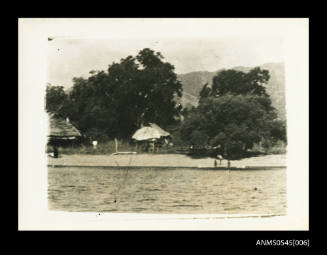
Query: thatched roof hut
column 62, row 129
column 149, row 133
column 146, row 133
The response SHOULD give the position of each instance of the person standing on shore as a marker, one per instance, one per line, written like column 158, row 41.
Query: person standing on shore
column 95, row 143
column 220, row 158
column 55, row 152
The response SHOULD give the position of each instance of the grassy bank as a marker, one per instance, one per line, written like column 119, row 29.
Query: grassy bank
column 109, row 148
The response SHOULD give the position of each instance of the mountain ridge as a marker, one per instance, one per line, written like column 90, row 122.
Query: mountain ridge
column 193, row 82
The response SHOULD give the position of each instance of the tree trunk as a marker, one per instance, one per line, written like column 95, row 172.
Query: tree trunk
column 116, row 144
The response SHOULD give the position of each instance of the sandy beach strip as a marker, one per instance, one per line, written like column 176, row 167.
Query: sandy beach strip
column 163, row 161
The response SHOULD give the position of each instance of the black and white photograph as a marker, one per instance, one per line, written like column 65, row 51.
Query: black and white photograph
column 156, row 121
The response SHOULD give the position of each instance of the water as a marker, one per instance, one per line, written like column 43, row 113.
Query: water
column 147, row 190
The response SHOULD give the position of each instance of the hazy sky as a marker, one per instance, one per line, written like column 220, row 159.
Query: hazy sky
column 76, row 57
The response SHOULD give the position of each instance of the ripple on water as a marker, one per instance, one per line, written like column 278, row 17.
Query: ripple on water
column 175, row 191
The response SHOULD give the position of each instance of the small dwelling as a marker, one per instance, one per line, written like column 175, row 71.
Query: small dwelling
column 62, row 132
column 150, row 137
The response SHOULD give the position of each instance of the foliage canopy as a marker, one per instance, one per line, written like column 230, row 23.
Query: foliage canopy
column 233, row 114
column 114, row 103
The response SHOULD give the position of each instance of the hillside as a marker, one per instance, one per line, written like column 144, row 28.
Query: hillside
column 194, row 81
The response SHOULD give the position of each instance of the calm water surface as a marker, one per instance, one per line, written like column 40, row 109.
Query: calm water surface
column 167, row 190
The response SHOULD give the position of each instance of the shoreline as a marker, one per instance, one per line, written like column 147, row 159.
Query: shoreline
column 246, row 168
column 166, row 161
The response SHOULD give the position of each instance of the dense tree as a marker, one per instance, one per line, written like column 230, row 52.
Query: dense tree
column 240, row 83
column 114, row 103
column 235, row 122
column 55, row 98
column 157, row 87
column 233, row 114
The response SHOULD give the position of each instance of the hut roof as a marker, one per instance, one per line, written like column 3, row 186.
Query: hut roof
column 147, row 133
column 162, row 132
column 62, row 128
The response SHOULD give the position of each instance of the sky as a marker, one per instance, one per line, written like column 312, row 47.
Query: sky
column 70, row 57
